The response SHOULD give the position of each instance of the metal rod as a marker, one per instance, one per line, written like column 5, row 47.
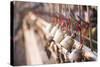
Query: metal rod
column 90, row 32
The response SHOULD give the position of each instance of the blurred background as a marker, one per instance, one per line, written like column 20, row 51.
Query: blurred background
column 79, row 19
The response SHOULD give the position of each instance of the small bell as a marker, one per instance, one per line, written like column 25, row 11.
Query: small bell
column 54, row 29
column 59, row 35
column 76, row 55
column 68, row 42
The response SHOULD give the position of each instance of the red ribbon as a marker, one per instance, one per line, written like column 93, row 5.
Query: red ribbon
column 78, row 26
